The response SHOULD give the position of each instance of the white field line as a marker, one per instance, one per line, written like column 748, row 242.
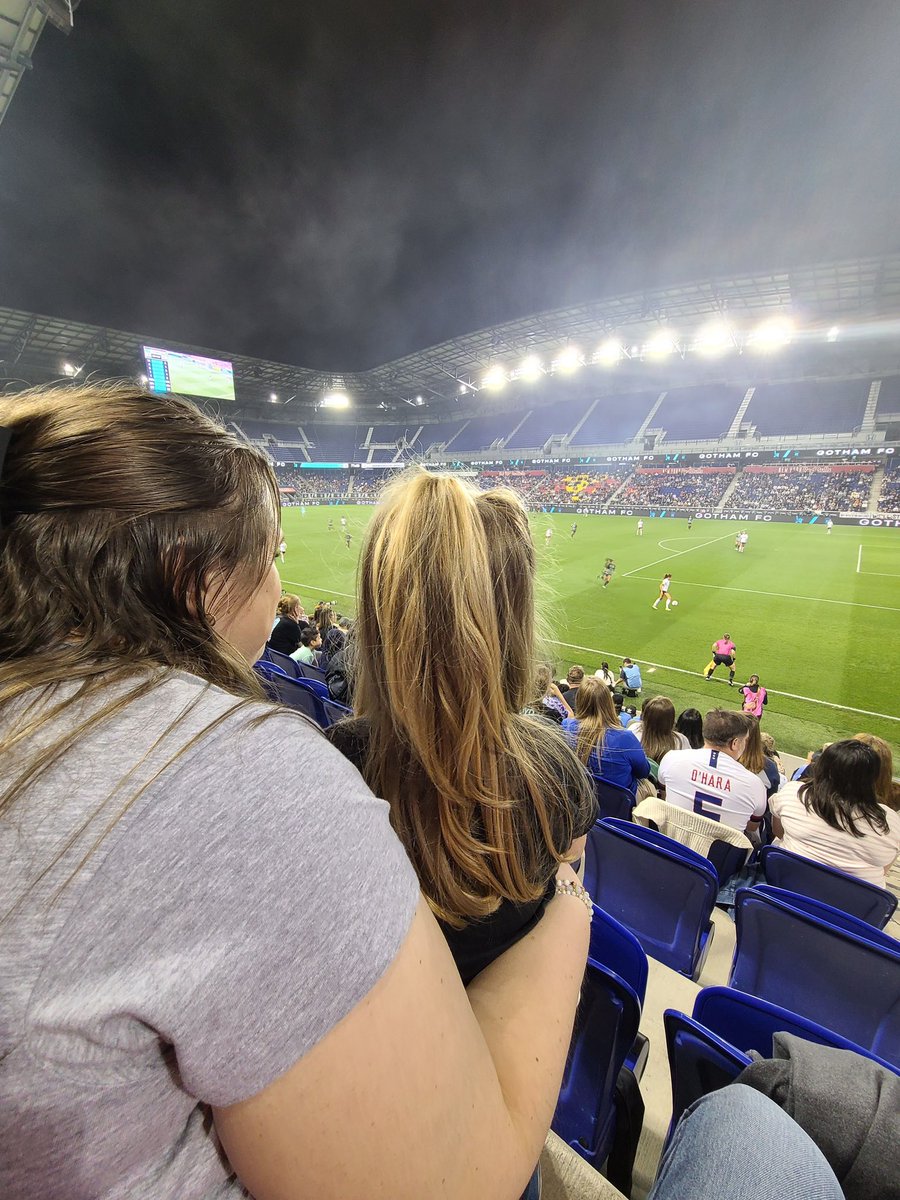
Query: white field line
column 783, row 595
column 864, row 712
column 676, row 554
column 859, row 559
column 699, row 674
column 881, row 574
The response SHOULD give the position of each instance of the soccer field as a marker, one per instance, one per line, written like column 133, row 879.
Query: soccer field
column 817, row 617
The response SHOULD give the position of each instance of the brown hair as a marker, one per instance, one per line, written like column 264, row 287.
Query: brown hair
column 288, row 604
column 481, row 796
column 595, row 712
column 722, row 725
column 884, row 786
column 754, row 756
column 575, row 674
column 123, row 517
column 658, row 727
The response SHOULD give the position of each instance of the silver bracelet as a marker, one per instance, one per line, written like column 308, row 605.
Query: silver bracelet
column 564, row 888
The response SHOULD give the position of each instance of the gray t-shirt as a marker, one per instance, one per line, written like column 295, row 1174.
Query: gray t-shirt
column 249, row 897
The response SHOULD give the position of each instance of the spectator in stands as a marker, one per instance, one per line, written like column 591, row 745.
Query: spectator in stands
column 310, row 642
column 488, row 801
column 599, row 740
column 833, row 814
column 165, row 919
column 630, row 675
column 656, row 729
column 285, row 637
column 812, row 757
column 548, row 696
column 770, row 751
column 757, row 762
column 330, row 631
column 574, row 678
column 884, row 782
column 605, row 675
column 690, row 724
column 712, row 781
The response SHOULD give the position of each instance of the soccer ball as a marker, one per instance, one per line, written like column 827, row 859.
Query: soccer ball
column 674, row 603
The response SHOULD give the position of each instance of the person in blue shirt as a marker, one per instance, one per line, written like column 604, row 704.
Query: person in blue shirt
column 630, row 675
column 599, row 740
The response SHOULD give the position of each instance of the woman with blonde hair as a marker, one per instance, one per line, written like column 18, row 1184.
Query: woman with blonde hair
column 599, row 740
column 656, row 729
column 884, row 786
column 487, row 801
column 285, row 637
column 217, row 975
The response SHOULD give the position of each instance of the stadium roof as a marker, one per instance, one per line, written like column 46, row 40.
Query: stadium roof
column 21, row 24
column 861, row 297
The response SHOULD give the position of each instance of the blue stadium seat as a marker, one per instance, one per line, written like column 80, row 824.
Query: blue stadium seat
column 612, row 799
column 699, row 1061
column 749, row 1023
column 795, row 873
column 293, row 693
column 287, row 664
column 616, row 949
column 605, row 1029
column 660, row 890
column 836, row 917
column 839, row 979
column 308, row 671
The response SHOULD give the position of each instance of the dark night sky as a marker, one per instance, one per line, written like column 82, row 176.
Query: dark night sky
column 336, row 184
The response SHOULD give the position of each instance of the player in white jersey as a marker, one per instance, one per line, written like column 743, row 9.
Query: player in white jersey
column 829, row 525
column 282, row 546
column 664, row 594
column 548, row 535
column 640, row 527
column 343, row 522
column 743, row 539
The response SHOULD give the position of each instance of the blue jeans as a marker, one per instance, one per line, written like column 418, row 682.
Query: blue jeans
column 737, row 1144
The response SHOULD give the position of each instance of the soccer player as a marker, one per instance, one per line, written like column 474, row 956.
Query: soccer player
column 282, row 546
column 664, row 585
column 828, row 526
column 574, row 528
column 640, row 527
column 343, row 522
column 348, row 538
column 690, row 523
column 743, row 539
column 548, row 535
column 330, row 524
column 609, row 568
column 724, row 653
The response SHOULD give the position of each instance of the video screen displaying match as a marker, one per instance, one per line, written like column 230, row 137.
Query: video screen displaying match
column 188, row 374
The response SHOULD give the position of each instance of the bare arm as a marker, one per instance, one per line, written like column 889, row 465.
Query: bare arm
column 423, row 1089
column 554, row 691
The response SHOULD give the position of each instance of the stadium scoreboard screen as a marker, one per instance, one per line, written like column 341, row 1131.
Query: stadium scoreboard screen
column 188, row 374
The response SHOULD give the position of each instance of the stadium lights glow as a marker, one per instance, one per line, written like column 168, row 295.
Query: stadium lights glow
column 70, row 370
column 716, row 337
column 661, row 344
column 771, row 334
column 530, row 368
column 832, row 335
column 419, row 400
column 335, row 400
column 567, row 361
column 609, row 353
column 273, row 397
column 463, row 388
column 495, row 379
column 143, row 380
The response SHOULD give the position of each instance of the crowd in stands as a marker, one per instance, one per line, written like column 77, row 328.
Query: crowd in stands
column 542, row 487
column 307, row 485
column 694, row 487
column 835, row 488
column 241, row 957
column 889, row 497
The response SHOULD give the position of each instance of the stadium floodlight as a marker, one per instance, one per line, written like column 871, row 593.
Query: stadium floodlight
column 530, row 368
column 273, row 397
column 143, row 380
column 419, row 400
column 335, row 400
column 714, row 338
column 832, row 335
column 495, row 379
column 567, row 361
column 771, row 334
column 661, row 344
column 609, row 352
column 463, row 388
column 70, row 370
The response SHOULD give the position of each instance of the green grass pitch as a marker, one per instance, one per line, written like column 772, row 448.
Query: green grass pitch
column 817, row 617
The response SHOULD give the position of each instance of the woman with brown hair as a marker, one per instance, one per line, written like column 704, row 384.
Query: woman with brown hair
column 833, row 816
column 755, row 759
column 285, row 637
column 488, row 802
column 600, row 742
column 217, row 975
column 656, row 729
